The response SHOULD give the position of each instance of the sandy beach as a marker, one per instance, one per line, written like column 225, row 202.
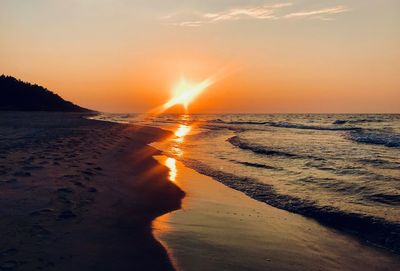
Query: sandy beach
column 79, row 194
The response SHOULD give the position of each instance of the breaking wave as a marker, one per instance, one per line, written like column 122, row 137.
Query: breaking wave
column 245, row 145
column 312, row 127
column 376, row 137
column 373, row 229
column 291, row 125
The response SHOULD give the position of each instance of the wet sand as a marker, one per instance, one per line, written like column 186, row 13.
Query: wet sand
column 220, row 228
column 78, row 194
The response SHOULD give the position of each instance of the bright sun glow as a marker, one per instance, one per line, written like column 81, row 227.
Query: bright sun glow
column 185, row 92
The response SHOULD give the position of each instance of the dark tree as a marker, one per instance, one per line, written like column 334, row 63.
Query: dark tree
column 16, row 95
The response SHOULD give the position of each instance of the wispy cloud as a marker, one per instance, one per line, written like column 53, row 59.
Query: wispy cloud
column 319, row 12
column 190, row 23
column 261, row 12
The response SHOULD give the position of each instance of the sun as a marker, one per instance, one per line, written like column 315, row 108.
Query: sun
column 185, row 92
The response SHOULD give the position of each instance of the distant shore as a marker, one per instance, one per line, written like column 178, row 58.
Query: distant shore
column 78, row 194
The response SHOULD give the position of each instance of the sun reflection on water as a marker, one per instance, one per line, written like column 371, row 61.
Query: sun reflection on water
column 181, row 132
column 170, row 163
column 175, row 146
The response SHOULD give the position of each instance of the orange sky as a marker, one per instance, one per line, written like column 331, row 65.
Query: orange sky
column 280, row 56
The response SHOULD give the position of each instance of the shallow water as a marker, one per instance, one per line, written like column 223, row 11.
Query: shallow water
column 343, row 170
column 221, row 229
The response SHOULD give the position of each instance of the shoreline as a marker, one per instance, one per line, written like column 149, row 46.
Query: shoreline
column 369, row 234
column 219, row 228
column 372, row 231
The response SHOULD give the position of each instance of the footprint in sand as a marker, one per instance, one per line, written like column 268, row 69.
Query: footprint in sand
column 8, row 265
column 88, row 172
column 22, row 174
column 92, row 190
column 40, row 231
column 68, row 214
column 64, row 193
column 32, row 168
column 8, row 181
column 70, row 176
column 65, row 190
column 79, row 184
column 8, row 252
column 42, row 212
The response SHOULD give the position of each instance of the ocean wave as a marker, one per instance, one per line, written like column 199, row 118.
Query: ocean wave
column 380, row 163
column 238, row 122
column 256, row 165
column 373, row 229
column 385, row 198
column 311, row 127
column 288, row 125
column 337, row 185
column 245, row 145
column 340, row 122
column 377, row 137
column 352, row 121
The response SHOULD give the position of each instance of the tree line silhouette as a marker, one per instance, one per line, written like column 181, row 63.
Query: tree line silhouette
column 17, row 95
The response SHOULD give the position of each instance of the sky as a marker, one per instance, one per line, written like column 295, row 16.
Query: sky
column 295, row 56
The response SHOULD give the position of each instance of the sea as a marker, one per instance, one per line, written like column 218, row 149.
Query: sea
column 341, row 170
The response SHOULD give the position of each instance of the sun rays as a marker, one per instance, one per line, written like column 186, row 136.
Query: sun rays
column 185, row 92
